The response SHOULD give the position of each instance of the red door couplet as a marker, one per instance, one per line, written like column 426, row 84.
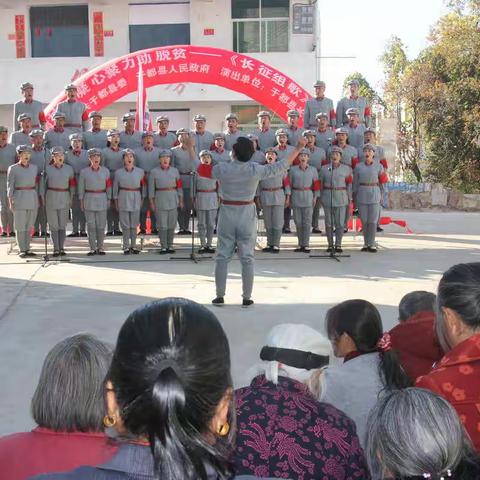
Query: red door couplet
column 113, row 80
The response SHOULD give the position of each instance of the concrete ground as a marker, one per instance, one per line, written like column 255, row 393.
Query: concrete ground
column 39, row 305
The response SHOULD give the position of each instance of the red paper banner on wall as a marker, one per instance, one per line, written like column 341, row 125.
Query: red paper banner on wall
column 111, row 81
column 98, row 42
column 20, row 36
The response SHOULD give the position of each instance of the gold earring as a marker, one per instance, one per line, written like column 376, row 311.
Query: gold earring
column 109, row 421
column 224, row 429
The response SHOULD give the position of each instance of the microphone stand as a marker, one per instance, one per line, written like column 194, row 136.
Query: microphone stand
column 332, row 255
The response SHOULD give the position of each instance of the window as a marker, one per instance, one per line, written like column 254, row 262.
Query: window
column 247, row 117
column 146, row 32
column 60, row 31
column 260, row 25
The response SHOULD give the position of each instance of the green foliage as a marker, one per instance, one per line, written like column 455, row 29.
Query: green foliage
column 365, row 90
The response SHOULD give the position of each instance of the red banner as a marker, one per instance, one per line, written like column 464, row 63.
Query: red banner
column 98, row 41
column 111, row 81
column 20, row 36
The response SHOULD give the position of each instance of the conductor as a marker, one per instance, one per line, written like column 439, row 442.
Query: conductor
column 238, row 182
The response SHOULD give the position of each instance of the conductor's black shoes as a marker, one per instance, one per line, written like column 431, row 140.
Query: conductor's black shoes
column 379, row 228
column 218, row 301
column 338, row 249
column 372, row 249
column 247, row 303
column 267, row 249
column 202, row 250
column 364, row 249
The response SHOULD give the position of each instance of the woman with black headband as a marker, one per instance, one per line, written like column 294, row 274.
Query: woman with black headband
column 282, row 431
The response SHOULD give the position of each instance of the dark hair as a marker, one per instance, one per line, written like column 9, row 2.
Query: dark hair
column 70, row 391
column 170, row 370
column 243, row 149
column 414, row 302
column 362, row 322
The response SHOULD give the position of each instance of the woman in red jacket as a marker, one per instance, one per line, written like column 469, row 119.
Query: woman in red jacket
column 456, row 376
column 68, row 408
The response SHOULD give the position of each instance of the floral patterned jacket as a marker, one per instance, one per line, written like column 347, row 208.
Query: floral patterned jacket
column 283, row 432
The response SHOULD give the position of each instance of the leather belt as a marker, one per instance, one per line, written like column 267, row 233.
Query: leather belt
column 302, row 188
column 236, row 202
column 25, row 188
column 95, row 191
column 164, row 189
column 55, row 189
column 272, row 189
column 369, row 184
column 185, row 173
column 77, row 125
column 334, row 188
column 206, row 191
column 127, row 189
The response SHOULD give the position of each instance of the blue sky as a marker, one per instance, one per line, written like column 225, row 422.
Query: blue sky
column 362, row 28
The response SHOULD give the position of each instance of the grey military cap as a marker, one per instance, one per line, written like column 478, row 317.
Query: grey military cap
column 264, row 113
column 26, row 85
column 319, row 83
column 304, row 151
column 218, row 135
column 23, row 148
column 94, row 151
column 272, row 150
column 3, row 129
column 24, row 116
column 252, row 136
column 58, row 115
column 57, row 149
column 112, row 132
column 128, row 116
column 352, row 111
column 165, row 153
column 199, row 118
column 93, row 113
column 353, row 82
column 231, row 116
column 127, row 150
column 370, row 130
column 341, row 130
column 70, row 86
column 293, row 113
column 337, row 149
column 147, row 134
column 162, row 118
column 75, row 136
column 205, row 152
column 36, row 132
column 182, row 130
column 369, row 146
column 308, row 132
column 321, row 115
column 281, row 131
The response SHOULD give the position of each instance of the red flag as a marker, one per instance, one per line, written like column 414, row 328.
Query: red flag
column 143, row 121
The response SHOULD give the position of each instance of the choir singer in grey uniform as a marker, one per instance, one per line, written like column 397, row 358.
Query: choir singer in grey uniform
column 57, row 191
column 336, row 187
column 128, row 190
column 95, row 192
column 22, row 191
column 8, row 156
column 368, row 176
column 238, row 182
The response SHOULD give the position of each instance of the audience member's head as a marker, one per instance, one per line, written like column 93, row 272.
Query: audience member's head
column 70, row 393
column 169, row 385
column 415, row 302
column 414, row 433
column 243, row 149
column 458, row 304
column 295, row 351
column 355, row 326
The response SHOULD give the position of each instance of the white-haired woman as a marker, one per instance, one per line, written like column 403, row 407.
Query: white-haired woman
column 416, row 434
column 282, row 430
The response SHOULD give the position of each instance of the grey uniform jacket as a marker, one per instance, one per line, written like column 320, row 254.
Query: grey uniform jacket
column 304, row 185
column 19, row 177
column 164, row 141
column 8, row 156
column 131, row 140
column 77, row 162
column 128, row 189
column 313, row 107
column 223, row 156
column 379, row 155
column 20, row 138
column 272, row 190
column 349, row 156
column 34, row 108
column 231, row 138
column 184, row 164
column 239, row 180
column 57, row 179
column 95, row 139
column 98, row 180
column 294, row 134
column 147, row 159
column 283, row 152
column 355, row 135
column 324, row 139
column 336, row 185
column 317, row 157
column 203, row 141
column 367, row 174
column 258, row 157
column 206, row 197
column 165, row 186
column 112, row 159
column 75, row 119
column 57, row 138
column 266, row 138
column 345, row 103
column 41, row 158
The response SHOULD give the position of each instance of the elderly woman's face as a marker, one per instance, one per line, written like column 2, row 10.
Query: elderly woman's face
column 164, row 161
column 58, row 159
column 128, row 160
column 95, row 160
